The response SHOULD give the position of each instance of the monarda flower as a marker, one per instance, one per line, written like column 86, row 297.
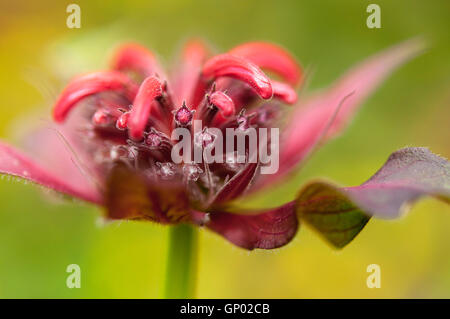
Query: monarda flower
column 111, row 144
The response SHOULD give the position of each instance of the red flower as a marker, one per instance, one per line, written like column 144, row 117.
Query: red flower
column 112, row 144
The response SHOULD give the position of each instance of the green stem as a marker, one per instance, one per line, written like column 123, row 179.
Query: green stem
column 181, row 262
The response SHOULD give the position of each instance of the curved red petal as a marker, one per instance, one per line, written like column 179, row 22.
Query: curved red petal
column 137, row 58
column 223, row 102
column 241, row 69
column 237, row 185
column 89, row 84
column 150, row 89
column 271, row 57
column 13, row 162
column 265, row 229
column 284, row 92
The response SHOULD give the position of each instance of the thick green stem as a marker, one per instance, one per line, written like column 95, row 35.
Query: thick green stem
column 181, row 264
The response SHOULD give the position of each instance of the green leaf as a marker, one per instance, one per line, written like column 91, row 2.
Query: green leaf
column 327, row 210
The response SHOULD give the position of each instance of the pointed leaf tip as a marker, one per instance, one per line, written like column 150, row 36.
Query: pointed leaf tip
column 327, row 210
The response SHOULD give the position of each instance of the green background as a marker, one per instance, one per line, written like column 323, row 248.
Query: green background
column 40, row 237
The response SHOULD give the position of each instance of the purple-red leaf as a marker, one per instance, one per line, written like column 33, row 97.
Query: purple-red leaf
column 265, row 229
column 339, row 214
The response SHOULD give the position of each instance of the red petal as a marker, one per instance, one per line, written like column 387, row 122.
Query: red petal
column 150, row 89
column 237, row 185
column 271, row 57
column 137, row 58
column 13, row 162
column 266, row 229
column 74, row 160
column 284, row 92
column 89, row 84
column 235, row 67
column 188, row 86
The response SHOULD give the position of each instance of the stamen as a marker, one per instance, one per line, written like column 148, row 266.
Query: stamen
column 150, row 90
column 86, row 85
column 243, row 120
column 183, row 116
column 165, row 170
column 153, row 139
column 122, row 121
column 158, row 140
column 238, row 68
column 271, row 57
column 207, row 112
column 204, row 138
column 155, row 142
column 192, row 171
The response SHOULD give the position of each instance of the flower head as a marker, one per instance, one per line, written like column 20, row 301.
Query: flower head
column 117, row 127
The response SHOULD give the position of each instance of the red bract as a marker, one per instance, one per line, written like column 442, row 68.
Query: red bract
column 112, row 144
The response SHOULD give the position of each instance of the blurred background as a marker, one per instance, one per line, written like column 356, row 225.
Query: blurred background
column 39, row 238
